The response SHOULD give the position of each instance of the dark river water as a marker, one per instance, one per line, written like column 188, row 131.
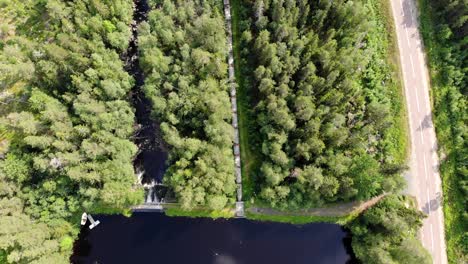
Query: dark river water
column 156, row 238
column 152, row 155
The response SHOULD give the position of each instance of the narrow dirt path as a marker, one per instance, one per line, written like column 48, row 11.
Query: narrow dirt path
column 332, row 211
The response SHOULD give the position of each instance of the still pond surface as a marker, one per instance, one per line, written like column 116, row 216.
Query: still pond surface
column 156, row 238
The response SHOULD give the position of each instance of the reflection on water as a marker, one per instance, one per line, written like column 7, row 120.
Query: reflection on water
column 156, row 238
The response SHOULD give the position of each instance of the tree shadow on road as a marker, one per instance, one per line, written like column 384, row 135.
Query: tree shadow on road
column 433, row 204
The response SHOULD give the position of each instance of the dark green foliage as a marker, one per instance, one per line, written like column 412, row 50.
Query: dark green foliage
column 323, row 104
column 26, row 241
column 445, row 32
column 71, row 149
column 455, row 15
column 387, row 233
column 183, row 54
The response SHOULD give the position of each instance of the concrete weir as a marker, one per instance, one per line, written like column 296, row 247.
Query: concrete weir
column 232, row 86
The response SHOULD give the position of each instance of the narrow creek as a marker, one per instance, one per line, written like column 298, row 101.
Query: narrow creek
column 150, row 163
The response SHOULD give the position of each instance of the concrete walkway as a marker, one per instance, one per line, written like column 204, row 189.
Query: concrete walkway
column 232, row 86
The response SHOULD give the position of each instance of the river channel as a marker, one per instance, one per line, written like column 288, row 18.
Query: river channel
column 150, row 162
column 156, row 238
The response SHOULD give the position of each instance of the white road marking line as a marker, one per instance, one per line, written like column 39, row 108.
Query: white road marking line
column 432, row 239
column 424, row 79
column 425, row 166
column 441, row 228
column 421, row 135
column 414, row 74
column 407, row 37
column 402, row 9
column 412, row 15
column 417, row 99
column 412, row 65
column 429, row 202
column 399, row 22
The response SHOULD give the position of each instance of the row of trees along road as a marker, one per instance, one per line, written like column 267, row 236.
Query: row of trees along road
column 388, row 233
column 322, row 112
column 71, row 149
column 183, row 51
column 445, row 33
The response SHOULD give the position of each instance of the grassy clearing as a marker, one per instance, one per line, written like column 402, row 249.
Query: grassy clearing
column 301, row 219
column 99, row 208
column 384, row 38
column 339, row 214
column 176, row 211
column 446, row 125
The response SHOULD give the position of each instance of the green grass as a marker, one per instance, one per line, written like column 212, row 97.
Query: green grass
column 101, row 208
column 400, row 130
column 176, row 211
column 397, row 137
column 302, row 219
column 3, row 256
column 446, row 124
column 250, row 156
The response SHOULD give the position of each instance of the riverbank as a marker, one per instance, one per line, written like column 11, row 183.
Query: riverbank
column 340, row 214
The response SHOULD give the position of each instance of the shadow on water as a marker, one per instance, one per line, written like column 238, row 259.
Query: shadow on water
column 150, row 162
column 156, row 238
column 349, row 250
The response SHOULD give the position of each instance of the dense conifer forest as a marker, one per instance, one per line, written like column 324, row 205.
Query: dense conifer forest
column 325, row 115
column 69, row 133
column 388, row 233
column 322, row 102
column 184, row 56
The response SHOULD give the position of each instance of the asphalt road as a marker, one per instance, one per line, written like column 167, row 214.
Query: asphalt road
column 423, row 176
